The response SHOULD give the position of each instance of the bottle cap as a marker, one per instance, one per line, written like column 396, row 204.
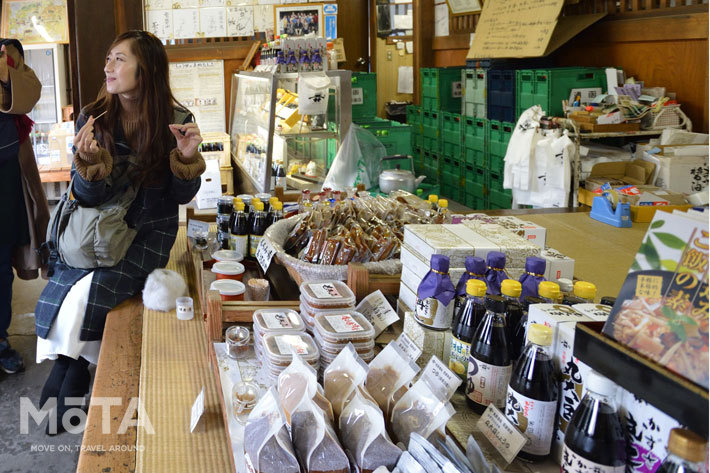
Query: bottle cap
column 566, row 285
column 273, row 199
column 600, row 384
column 433, row 198
column 258, row 206
column 254, row 200
column 443, row 203
column 236, row 201
column 585, row 290
column 511, row 287
column 549, row 290
column 495, row 259
column 476, row 287
column 440, row 263
column 495, row 304
column 540, row 335
column 687, row 445
column 535, row 265
column 475, row 265
column 278, row 205
column 239, row 206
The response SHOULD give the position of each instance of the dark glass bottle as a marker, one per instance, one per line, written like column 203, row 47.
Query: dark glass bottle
column 251, row 213
column 280, row 177
column 686, row 453
column 475, row 269
column 608, row 300
column 511, row 290
column 276, row 213
column 594, row 440
column 464, row 326
column 583, row 293
column 489, row 364
column 257, row 229
column 239, row 231
column 531, row 401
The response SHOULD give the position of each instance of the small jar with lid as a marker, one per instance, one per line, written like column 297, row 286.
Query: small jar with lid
column 346, row 327
column 228, row 270
column 245, row 395
column 230, row 290
column 279, row 349
column 237, row 339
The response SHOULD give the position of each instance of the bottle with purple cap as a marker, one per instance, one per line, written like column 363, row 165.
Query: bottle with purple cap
column 495, row 272
column 435, row 296
column 533, row 276
column 475, row 269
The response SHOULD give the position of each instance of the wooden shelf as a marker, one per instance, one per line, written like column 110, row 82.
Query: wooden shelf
column 55, row 174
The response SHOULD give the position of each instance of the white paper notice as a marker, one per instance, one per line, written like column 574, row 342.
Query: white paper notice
column 400, row 45
column 408, row 346
column 378, row 311
column 213, row 3
column 503, row 435
column 438, row 374
column 198, row 408
column 160, row 23
column 464, row 6
column 199, row 85
column 403, row 22
column 196, row 226
column 177, row 4
column 405, row 80
column 441, row 20
column 263, row 18
column 186, row 23
column 213, row 22
column 409, row 46
column 265, row 253
column 158, row 4
column 240, row 21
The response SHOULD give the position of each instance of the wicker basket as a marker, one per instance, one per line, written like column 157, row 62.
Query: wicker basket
column 670, row 116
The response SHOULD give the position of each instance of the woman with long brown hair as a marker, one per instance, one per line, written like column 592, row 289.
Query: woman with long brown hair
column 135, row 137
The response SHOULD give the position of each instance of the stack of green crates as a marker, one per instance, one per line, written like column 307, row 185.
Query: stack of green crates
column 441, row 88
column 549, row 87
column 474, row 93
column 497, row 136
column 364, row 95
column 414, row 119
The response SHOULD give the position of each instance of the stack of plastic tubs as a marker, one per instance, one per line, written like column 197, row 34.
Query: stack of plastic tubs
column 279, row 349
column 324, row 297
column 334, row 331
column 279, row 321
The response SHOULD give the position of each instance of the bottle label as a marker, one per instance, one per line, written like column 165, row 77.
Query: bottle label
column 458, row 359
column 432, row 313
column 253, row 244
column 486, row 384
column 239, row 243
column 574, row 463
column 534, row 418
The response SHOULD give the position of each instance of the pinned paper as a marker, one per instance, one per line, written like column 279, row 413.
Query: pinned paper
column 263, row 18
column 403, row 22
column 213, row 22
column 160, row 23
column 410, row 47
column 198, row 408
column 405, row 80
column 399, row 45
column 186, row 23
column 441, row 20
column 240, row 21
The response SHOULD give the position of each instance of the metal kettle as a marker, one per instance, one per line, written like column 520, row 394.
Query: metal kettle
column 397, row 178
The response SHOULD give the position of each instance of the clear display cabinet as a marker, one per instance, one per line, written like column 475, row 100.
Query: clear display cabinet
column 304, row 145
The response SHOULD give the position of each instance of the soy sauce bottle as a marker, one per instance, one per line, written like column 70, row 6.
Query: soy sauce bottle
column 475, row 269
column 239, row 231
column 489, row 364
column 464, row 326
column 511, row 290
column 686, row 453
column 257, row 229
column 594, row 440
column 583, row 293
column 276, row 213
column 531, row 401
column 608, row 300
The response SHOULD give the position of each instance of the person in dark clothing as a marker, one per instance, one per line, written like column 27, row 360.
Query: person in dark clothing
column 23, row 209
column 135, row 134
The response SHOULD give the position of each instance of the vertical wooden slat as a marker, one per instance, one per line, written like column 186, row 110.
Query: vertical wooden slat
column 423, row 40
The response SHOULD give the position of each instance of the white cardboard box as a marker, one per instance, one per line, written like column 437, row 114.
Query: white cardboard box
column 428, row 240
column 481, row 245
column 407, row 296
column 682, row 172
column 516, row 249
column 558, row 265
column 414, row 269
column 596, row 312
column 211, row 187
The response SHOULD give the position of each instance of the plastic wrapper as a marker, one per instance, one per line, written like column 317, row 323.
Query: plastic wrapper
column 330, row 251
column 297, row 384
column 342, row 377
column 315, row 246
column 267, row 445
column 427, row 455
column 362, row 431
column 423, row 409
column 389, row 375
column 407, row 464
column 475, row 456
column 315, row 441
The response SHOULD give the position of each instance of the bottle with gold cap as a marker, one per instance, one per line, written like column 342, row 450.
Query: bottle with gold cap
column 464, row 326
column 442, row 212
column 276, row 213
column 239, row 231
column 594, row 440
column 585, row 290
column 686, row 453
column 433, row 201
column 549, row 291
column 258, row 226
column 511, row 289
column 531, row 401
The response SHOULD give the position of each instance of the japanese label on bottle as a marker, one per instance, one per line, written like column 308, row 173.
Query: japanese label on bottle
column 534, row 418
column 289, row 344
column 486, row 384
column 458, row 359
column 430, row 312
column 324, row 291
column 253, row 244
column 276, row 320
column 574, row 463
column 344, row 323
column 437, row 374
column 239, row 243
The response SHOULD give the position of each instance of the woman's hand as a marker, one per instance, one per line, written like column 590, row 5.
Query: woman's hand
column 84, row 141
column 188, row 138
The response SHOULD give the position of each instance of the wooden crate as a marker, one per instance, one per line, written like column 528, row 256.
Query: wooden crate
column 209, row 140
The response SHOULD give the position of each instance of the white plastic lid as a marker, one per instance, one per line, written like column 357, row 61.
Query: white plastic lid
column 347, row 326
column 279, row 347
column 246, row 198
column 327, row 294
column 228, row 268
column 566, row 285
column 227, row 255
column 600, row 384
column 228, row 287
column 277, row 321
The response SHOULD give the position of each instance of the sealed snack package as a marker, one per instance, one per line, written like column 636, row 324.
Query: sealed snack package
column 267, row 445
column 420, row 447
column 342, row 377
column 362, row 430
column 389, row 375
column 315, row 441
column 407, row 464
column 298, row 382
column 422, row 409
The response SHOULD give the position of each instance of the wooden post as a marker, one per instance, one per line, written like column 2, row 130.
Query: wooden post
column 423, row 41
column 358, row 280
column 214, row 316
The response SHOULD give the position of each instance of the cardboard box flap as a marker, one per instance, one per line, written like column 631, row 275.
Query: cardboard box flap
column 632, row 172
column 527, row 28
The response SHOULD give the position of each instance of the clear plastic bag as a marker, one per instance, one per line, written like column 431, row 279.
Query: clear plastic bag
column 422, row 410
column 267, row 445
column 315, row 441
column 390, row 372
column 357, row 161
column 341, row 378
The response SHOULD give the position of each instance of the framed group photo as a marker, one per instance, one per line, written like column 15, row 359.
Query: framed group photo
column 298, row 20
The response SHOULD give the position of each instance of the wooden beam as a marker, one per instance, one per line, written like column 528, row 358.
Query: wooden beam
column 649, row 28
column 423, row 36
column 206, row 51
column 455, row 41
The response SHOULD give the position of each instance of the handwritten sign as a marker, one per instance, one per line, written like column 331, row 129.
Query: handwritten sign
column 408, row 347
column 160, row 23
column 196, row 226
column 198, row 408
column 378, row 311
column 265, row 253
column 186, row 23
column 213, row 22
column 502, row 434
column 438, row 374
column 240, row 21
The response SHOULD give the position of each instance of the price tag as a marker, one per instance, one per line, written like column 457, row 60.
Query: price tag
column 503, row 435
column 196, row 226
column 378, row 311
column 438, row 374
column 198, row 408
column 343, row 323
column 408, row 346
column 264, row 253
column 357, row 96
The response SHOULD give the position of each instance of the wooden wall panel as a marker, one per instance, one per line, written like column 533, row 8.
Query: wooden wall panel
column 353, row 27
column 387, row 74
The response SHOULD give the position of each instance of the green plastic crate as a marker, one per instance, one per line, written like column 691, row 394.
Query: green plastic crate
column 500, row 200
column 364, row 95
column 474, row 93
column 441, row 88
column 498, row 136
column 548, row 87
column 474, row 141
column 431, row 123
column 414, row 115
column 431, row 144
column 451, row 134
column 397, row 139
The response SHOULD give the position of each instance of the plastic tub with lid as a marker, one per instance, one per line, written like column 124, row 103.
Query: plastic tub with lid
column 277, row 321
column 228, row 270
column 312, row 312
column 327, row 294
column 326, row 359
column 348, row 326
column 335, row 348
column 229, row 289
column 227, row 255
column 278, row 348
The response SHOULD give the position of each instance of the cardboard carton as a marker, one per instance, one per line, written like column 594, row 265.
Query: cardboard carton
column 637, row 172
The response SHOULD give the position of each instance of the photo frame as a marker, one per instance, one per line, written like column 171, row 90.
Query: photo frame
column 299, row 19
column 462, row 7
column 35, row 21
